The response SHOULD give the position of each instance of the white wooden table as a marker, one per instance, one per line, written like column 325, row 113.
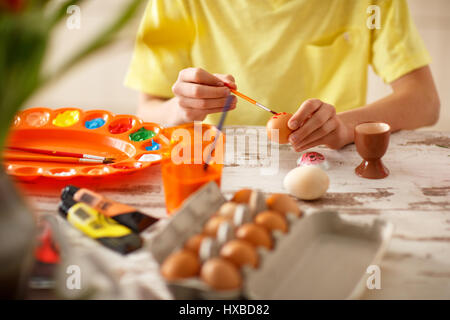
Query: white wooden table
column 415, row 198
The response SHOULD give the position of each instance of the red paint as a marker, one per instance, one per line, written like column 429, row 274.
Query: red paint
column 121, row 127
column 312, row 158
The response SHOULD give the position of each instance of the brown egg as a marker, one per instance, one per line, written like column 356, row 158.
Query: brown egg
column 271, row 220
column 194, row 242
column 283, row 203
column 227, row 209
column 254, row 234
column 240, row 253
column 212, row 225
column 221, row 274
column 279, row 121
column 181, row 264
column 242, row 196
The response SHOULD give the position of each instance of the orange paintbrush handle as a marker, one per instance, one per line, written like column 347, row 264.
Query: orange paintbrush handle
column 20, row 157
column 243, row 96
column 57, row 153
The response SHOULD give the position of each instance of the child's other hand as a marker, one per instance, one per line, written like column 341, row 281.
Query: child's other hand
column 199, row 93
column 316, row 123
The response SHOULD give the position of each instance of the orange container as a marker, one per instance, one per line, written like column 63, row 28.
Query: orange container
column 183, row 165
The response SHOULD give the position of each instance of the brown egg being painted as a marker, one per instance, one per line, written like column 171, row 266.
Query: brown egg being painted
column 279, row 122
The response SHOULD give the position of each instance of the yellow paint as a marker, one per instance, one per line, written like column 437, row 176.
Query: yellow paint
column 67, row 118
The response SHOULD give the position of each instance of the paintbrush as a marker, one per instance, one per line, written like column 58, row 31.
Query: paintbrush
column 60, row 153
column 225, row 109
column 23, row 157
column 243, row 96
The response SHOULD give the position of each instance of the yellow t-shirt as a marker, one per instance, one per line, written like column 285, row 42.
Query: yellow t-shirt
column 281, row 52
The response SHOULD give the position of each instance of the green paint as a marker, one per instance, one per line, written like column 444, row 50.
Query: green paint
column 141, row 135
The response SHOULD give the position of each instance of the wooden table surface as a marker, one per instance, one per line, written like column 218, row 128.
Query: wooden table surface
column 415, row 198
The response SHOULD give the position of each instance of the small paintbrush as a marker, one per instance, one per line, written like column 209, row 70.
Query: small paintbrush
column 43, row 158
column 61, row 153
column 243, row 96
column 225, row 109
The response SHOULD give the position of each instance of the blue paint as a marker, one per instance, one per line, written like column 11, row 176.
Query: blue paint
column 94, row 123
column 153, row 147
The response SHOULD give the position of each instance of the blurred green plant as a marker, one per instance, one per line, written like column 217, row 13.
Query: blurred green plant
column 26, row 27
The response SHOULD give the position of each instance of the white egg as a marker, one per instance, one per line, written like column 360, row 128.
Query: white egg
column 307, row 183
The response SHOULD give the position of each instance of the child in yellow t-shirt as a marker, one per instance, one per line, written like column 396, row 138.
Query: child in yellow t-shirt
column 283, row 53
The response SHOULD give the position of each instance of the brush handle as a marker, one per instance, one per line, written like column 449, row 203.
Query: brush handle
column 226, row 107
column 56, row 153
column 243, row 96
column 17, row 157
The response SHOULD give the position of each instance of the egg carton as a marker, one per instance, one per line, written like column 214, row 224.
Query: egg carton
column 321, row 256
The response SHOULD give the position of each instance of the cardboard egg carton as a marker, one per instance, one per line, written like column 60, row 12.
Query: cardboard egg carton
column 321, row 256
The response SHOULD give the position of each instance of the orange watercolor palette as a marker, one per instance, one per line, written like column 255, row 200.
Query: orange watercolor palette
column 95, row 132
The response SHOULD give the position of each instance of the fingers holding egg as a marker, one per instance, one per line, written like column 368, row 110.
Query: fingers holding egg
column 304, row 113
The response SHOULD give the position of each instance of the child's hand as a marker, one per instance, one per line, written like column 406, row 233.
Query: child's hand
column 316, row 123
column 199, row 93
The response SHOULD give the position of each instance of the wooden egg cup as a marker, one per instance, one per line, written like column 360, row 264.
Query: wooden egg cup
column 372, row 140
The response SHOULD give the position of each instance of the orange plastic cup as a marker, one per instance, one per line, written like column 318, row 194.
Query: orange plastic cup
column 183, row 166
